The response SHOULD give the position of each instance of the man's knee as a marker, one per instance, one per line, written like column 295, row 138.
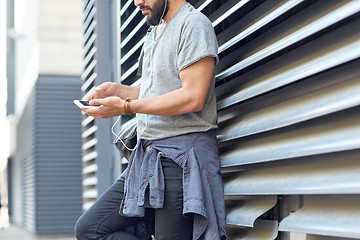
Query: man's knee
column 82, row 229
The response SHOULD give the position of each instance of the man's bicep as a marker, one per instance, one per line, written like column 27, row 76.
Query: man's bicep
column 197, row 77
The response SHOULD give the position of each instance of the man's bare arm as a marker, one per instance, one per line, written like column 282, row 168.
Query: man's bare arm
column 191, row 97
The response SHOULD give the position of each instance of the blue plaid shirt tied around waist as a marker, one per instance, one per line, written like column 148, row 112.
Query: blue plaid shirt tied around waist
column 197, row 155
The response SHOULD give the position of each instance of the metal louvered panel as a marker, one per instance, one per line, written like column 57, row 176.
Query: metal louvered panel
column 131, row 31
column 58, row 154
column 88, row 123
column 48, row 147
column 288, row 103
column 319, row 24
column 16, row 206
column 24, row 162
column 287, row 85
column 99, row 62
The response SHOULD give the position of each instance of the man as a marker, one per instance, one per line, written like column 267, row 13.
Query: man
column 174, row 173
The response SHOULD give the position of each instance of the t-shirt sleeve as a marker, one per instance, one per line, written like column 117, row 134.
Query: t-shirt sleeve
column 198, row 40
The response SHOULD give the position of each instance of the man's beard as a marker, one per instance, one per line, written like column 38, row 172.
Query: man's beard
column 156, row 13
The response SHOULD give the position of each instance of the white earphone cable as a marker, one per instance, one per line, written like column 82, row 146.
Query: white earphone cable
column 117, row 136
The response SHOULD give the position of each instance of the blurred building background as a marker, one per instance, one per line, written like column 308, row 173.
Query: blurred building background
column 288, row 86
column 43, row 68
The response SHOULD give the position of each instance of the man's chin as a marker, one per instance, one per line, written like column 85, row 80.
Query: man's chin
column 151, row 22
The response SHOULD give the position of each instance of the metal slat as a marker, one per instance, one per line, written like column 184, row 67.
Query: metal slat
column 89, row 144
column 224, row 13
column 320, row 138
column 319, row 237
column 129, row 72
column 87, row 121
column 263, row 230
column 337, row 216
column 336, row 173
column 245, row 212
column 90, row 157
column 90, row 194
column 89, row 169
column 88, row 132
column 204, row 5
column 90, row 181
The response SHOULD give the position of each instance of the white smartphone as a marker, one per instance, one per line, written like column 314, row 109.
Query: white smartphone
column 83, row 104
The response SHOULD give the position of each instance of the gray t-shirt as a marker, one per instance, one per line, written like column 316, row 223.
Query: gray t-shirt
column 187, row 37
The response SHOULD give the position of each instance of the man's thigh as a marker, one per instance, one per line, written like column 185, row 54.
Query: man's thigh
column 169, row 221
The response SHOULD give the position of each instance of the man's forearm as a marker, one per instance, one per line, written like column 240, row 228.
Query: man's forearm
column 180, row 101
column 124, row 91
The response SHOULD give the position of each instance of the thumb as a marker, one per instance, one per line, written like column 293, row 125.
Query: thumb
column 96, row 102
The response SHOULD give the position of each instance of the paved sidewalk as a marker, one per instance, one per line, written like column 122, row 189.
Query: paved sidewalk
column 14, row 232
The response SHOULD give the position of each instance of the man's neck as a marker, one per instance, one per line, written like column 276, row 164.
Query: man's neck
column 173, row 6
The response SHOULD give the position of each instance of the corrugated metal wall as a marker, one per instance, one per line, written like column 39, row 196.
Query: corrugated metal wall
column 100, row 158
column 288, row 100
column 89, row 127
column 22, row 183
column 47, row 164
column 58, row 154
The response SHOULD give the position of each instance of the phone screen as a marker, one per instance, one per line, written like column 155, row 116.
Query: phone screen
column 85, row 103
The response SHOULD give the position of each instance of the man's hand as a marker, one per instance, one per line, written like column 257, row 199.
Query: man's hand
column 109, row 89
column 109, row 107
column 104, row 90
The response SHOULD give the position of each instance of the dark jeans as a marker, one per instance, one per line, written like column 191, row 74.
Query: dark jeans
column 102, row 219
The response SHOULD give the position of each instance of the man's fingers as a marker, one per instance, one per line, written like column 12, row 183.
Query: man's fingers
column 95, row 112
column 96, row 102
